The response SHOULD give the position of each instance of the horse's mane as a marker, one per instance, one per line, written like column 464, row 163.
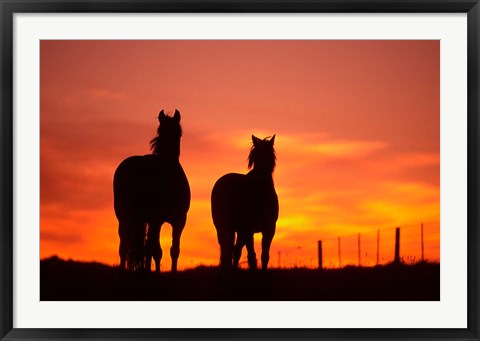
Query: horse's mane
column 262, row 149
column 168, row 136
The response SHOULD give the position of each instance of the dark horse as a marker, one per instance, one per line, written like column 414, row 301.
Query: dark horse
column 148, row 191
column 247, row 204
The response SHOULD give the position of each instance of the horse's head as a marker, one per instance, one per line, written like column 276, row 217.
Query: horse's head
column 262, row 155
column 169, row 132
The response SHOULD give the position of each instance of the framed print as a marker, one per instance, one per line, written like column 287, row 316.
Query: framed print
column 253, row 170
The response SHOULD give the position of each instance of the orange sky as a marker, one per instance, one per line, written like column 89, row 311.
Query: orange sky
column 357, row 127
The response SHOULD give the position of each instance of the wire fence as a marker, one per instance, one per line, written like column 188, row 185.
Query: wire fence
column 408, row 244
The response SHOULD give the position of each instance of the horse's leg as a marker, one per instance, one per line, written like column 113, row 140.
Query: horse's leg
column 122, row 249
column 237, row 249
column 267, row 237
column 152, row 247
column 226, row 239
column 136, row 245
column 252, row 257
column 177, row 228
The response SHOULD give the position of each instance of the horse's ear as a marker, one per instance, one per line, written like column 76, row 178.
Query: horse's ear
column 161, row 115
column 272, row 140
column 255, row 140
column 176, row 116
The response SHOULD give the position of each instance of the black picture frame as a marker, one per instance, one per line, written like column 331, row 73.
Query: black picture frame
column 9, row 7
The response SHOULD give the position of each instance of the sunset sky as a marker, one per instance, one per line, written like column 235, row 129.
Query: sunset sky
column 357, row 127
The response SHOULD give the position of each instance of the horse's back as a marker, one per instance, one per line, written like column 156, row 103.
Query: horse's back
column 228, row 183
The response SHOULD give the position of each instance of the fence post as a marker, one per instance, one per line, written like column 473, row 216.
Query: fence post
column 320, row 255
column 378, row 247
column 359, row 252
column 397, row 245
column 339, row 254
column 423, row 254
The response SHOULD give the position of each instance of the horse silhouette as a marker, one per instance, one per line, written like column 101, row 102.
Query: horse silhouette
column 246, row 204
column 150, row 190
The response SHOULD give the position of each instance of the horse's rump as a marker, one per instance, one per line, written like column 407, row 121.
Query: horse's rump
column 225, row 193
column 243, row 202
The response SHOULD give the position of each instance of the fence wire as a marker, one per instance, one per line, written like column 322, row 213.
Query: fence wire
column 417, row 243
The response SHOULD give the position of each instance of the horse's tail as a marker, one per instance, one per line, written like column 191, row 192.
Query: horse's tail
column 136, row 246
column 128, row 210
column 220, row 205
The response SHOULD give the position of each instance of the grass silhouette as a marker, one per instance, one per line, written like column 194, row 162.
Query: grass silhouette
column 88, row 281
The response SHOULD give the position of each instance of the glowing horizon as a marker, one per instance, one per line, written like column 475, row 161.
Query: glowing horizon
column 357, row 127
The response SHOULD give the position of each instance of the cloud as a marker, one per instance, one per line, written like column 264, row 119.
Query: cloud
column 64, row 238
column 71, row 186
column 75, row 97
column 106, row 94
column 323, row 146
